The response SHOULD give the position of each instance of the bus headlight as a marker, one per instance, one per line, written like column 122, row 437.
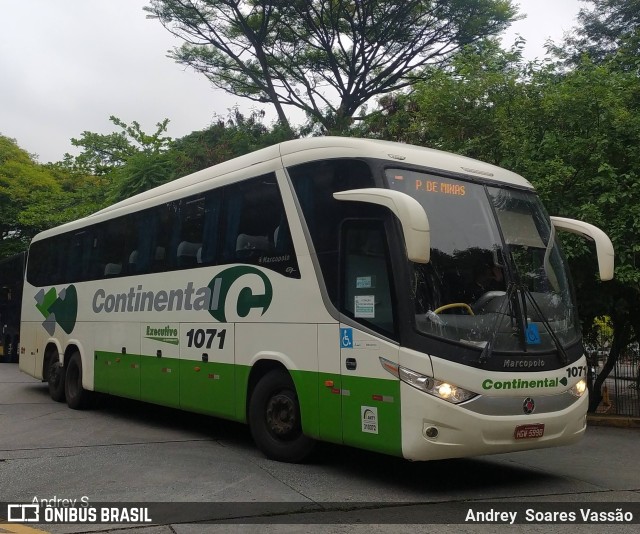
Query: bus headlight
column 443, row 390
column 579, row 388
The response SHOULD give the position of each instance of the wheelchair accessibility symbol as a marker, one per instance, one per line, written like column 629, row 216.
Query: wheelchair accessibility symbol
column 346, row 338
column 533, row 335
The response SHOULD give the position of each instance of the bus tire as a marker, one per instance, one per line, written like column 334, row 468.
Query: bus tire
column 274, row 419
column 77, row 396
column 55, row 377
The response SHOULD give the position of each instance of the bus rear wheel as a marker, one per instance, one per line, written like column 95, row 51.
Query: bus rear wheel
column 274, row 419
column 55, row 377
column 77, row 396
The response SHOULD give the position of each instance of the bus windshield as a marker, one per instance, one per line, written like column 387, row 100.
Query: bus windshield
column 497, row 278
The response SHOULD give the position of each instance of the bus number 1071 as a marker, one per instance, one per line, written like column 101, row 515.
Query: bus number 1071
column 199, row 337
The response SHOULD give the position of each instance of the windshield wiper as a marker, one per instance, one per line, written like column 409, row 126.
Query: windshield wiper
column 564, row 358
column 487, row 351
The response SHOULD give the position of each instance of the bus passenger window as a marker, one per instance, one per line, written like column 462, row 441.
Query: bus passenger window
column 188, row 232
column 188, row 253
column 111, row 247
column 256, row 230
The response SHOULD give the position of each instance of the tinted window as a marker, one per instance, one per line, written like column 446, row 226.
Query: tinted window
column 240, row 223
column 256, row 230
column 314, row 184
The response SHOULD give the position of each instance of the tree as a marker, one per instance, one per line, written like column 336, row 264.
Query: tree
column 104, row 152
column 225, row 139
column 325, row 57
column 609, row 27
column 21, row 178
column 141, row 171
column 130, row 161
column 34, row 197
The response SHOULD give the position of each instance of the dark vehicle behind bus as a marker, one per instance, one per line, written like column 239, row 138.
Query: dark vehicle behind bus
column 11, row 281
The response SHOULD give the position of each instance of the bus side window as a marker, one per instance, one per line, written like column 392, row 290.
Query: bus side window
column 79, row 257
column 140, row 248
column 188, row 232
column 43, row 273
column 164, row 219
column 112, row 245
column 207, row 254
column 255, row 229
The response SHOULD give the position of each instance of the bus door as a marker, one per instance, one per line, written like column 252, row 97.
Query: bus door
column 370, row 395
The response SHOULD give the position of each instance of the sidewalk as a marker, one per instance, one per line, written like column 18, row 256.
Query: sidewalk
column 618, row 421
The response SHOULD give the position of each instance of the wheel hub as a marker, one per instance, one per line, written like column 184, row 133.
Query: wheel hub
column 281, row 415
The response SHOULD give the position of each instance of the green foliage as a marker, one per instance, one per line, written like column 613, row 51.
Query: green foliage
column 223, row 140
column 324, row 57
column 129, row 161
column 102, row 153
column 34, row 197
column 608, row 30
column 141, row 171
column 601, row 335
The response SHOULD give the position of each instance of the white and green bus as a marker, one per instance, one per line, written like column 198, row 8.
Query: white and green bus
column 373, row 294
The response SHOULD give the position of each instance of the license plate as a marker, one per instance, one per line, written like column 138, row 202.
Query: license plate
column 529, row 431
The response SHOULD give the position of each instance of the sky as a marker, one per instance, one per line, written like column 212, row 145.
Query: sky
column 66, row 66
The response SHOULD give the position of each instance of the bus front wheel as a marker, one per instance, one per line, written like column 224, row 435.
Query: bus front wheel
column 274, row 419
column 55, row 377
column 77, row 396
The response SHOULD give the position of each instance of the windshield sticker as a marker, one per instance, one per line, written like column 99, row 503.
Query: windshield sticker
column 533, row 335
column 365, row 282
column 365, row 306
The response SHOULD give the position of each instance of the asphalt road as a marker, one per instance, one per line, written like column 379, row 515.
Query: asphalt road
column 128, row 452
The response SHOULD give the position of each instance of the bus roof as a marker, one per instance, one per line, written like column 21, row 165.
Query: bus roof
column 405, row 153
column 320, row 148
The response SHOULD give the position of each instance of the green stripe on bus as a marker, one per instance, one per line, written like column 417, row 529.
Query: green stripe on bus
column 383, row 397
column 332, row 407
column 203, row 387
column 208, row 387
column 117, row 374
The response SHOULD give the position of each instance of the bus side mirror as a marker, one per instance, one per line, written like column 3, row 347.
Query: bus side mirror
column 604, row 247
column 415, row 225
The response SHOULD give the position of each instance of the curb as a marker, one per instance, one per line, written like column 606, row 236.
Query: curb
column 618, row 421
